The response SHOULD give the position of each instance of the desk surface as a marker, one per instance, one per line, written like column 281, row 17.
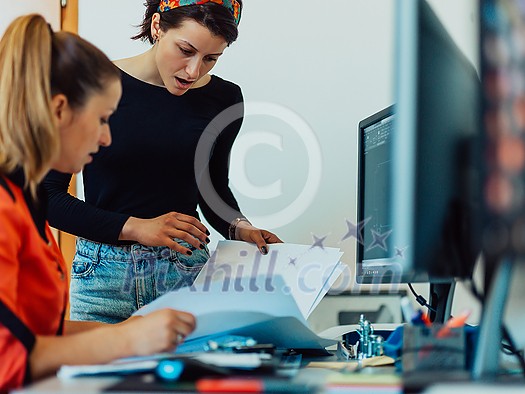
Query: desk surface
column 96, row 385
column 368, row 379
column 476, row 388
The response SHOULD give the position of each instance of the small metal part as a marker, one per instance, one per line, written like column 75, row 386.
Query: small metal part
column 343, row 352
column 369, row 345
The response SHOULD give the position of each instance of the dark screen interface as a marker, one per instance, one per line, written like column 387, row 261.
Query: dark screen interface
column 376, row 215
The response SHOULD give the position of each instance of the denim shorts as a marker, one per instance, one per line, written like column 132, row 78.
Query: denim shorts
column 109, row 282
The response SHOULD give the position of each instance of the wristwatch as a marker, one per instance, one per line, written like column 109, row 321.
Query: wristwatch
column 233, row 227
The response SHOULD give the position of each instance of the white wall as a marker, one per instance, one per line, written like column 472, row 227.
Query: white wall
column 50, row 9
column 328, row 65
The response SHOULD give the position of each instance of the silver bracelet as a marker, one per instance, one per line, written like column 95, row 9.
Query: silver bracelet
column 233, row 227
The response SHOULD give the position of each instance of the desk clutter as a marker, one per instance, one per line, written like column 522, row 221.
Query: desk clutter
column 368, row 344
column 417, row 346
column 252, row 334
column 235, row 363
column 208, row 375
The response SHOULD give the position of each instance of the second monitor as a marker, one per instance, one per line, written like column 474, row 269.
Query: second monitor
column 418, row 208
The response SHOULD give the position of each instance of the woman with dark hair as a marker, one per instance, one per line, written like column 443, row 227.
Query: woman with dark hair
column 139, row 231
column 57, row 93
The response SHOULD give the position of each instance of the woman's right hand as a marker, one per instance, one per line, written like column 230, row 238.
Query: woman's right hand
column 162, row 230
column 160, row 331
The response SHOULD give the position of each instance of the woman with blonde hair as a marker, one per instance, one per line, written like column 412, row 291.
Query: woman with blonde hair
column 57, row 93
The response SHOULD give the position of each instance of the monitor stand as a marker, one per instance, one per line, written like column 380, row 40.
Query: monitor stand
column 486, row 360
column 440, row 299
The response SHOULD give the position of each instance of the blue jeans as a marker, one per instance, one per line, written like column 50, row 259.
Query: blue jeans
column 109, row 282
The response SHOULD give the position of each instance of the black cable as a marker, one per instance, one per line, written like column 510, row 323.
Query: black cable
column 509, row 348
column 420, row 299
column 513, row 348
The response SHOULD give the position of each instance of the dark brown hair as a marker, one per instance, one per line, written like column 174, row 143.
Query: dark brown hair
column 215, row 17
column 78, row 68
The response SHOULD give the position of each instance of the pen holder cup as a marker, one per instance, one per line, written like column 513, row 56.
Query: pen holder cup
column 427, row 348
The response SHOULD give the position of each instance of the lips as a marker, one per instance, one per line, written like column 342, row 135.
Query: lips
column 184, row 83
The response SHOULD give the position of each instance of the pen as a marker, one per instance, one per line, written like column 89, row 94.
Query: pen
column 240, row 385
column 453, row 322
column 421, row 319
column 426, row 320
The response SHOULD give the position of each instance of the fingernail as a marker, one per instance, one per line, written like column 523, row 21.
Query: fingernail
column 189, row 253
column 201, row 246
column 207, row 232
column 207, row 240
column 264, row 250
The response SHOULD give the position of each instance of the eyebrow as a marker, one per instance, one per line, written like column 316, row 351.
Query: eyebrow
column 210, row 54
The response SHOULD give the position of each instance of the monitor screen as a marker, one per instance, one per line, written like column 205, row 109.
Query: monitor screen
column 420, row 183
column 375, row 263
column 503, row 96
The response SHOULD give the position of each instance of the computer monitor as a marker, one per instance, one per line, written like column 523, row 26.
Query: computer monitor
column 503, row 79
column 374, row 249
column 425, row 226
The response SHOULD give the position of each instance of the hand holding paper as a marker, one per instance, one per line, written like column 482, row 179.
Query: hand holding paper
column 267, row 297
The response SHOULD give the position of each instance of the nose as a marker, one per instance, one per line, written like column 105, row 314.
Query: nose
column 193, row 68
column 105, row 137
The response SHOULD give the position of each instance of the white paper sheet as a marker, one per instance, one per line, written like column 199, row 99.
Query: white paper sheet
column 308, row 272
column 149, row 363
column 242, row 292
column 218, row 310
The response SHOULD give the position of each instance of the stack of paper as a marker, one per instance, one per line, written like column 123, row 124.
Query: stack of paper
column 134, row 365
column 267, row 297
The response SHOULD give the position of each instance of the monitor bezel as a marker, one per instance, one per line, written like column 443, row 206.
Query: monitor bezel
column 412, row 18
column 361, row 277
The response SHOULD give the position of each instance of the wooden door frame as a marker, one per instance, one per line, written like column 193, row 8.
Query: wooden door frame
column 69, row 17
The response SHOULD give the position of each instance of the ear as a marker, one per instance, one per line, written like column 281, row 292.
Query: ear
column 60, row 109
column 155, row 26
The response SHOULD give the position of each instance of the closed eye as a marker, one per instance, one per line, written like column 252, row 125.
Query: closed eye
column 186, row 52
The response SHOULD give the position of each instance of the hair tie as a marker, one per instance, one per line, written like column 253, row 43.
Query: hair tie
column 232, row 5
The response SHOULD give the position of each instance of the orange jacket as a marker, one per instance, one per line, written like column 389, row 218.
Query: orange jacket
column 33, row 281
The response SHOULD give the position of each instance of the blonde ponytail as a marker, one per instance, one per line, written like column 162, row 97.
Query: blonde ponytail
column 28, row 135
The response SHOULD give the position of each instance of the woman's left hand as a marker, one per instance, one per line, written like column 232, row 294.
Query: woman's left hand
column 248, row 233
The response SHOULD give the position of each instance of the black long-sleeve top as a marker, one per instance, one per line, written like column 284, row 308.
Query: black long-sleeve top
column 149, row 169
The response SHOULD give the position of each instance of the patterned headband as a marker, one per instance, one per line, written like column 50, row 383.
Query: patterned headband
column 232, row 5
